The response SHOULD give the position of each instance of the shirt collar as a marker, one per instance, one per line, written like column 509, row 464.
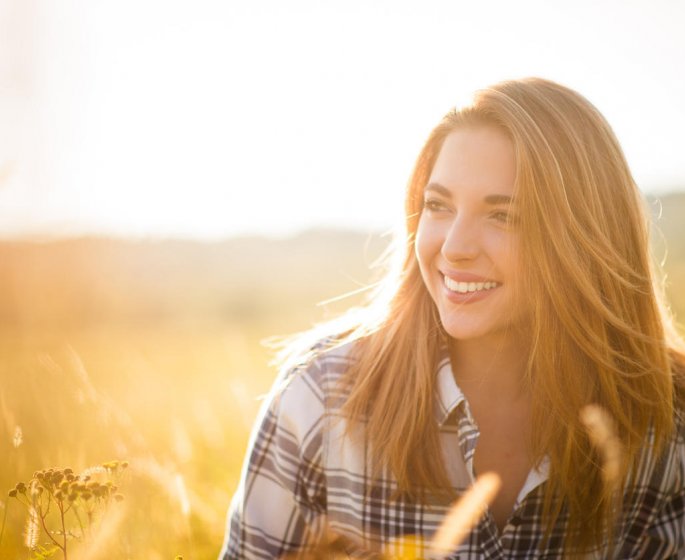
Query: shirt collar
column 450, row 396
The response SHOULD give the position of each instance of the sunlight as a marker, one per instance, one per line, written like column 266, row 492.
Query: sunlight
column 226, row 119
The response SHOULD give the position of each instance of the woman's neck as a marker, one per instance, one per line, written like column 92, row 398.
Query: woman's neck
column 495, row 366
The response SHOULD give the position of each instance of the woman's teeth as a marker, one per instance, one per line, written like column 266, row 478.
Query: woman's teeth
column 466, row 287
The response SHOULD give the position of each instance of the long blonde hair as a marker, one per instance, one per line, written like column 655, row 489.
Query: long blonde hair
column 599, row 331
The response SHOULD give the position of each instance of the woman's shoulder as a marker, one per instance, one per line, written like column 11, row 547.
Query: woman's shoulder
column 309, row 384
column 321, row 363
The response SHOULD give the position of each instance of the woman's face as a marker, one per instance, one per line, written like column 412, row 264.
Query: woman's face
column 467, row 243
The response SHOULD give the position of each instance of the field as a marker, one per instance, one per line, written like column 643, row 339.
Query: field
column 152, row 353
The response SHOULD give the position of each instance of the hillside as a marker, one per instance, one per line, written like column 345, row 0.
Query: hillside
column 85, row 281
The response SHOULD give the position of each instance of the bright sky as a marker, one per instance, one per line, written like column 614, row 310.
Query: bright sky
column 220, row 117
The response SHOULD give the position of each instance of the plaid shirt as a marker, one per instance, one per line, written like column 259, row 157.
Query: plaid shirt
column 303, row 476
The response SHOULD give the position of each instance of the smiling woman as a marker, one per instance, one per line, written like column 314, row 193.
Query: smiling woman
column 525, row 295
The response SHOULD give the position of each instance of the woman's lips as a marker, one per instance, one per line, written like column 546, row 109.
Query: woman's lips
column 468, row 288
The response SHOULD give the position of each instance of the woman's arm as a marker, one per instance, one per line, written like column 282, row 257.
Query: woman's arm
column 280, row 504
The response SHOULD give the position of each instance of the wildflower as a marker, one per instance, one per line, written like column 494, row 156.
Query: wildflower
column 63, row 485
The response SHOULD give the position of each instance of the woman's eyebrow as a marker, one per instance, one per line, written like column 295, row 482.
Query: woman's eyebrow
column 491, row 199
column 495, row 199
column 437, row 187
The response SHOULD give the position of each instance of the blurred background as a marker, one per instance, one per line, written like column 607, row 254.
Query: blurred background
column 181, row 181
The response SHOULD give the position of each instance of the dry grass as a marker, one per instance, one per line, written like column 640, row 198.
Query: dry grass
column 152, row 362
column 172, row 403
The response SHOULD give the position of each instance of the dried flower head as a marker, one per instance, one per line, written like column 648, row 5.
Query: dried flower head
column 465, row 513
column 110, row 465
column 65, row 491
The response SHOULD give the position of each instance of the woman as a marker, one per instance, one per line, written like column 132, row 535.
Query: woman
column 526, row 293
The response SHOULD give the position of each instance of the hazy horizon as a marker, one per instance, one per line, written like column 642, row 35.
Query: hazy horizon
column 55, row 235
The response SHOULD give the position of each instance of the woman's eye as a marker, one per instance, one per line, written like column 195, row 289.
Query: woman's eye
column 503, row 217
column 433, row 205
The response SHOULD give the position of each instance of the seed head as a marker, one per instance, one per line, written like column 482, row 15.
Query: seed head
column 18, row 437
column 601, row 429
column 31, row 531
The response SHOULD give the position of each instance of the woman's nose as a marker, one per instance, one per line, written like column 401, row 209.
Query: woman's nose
column 461, row 240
